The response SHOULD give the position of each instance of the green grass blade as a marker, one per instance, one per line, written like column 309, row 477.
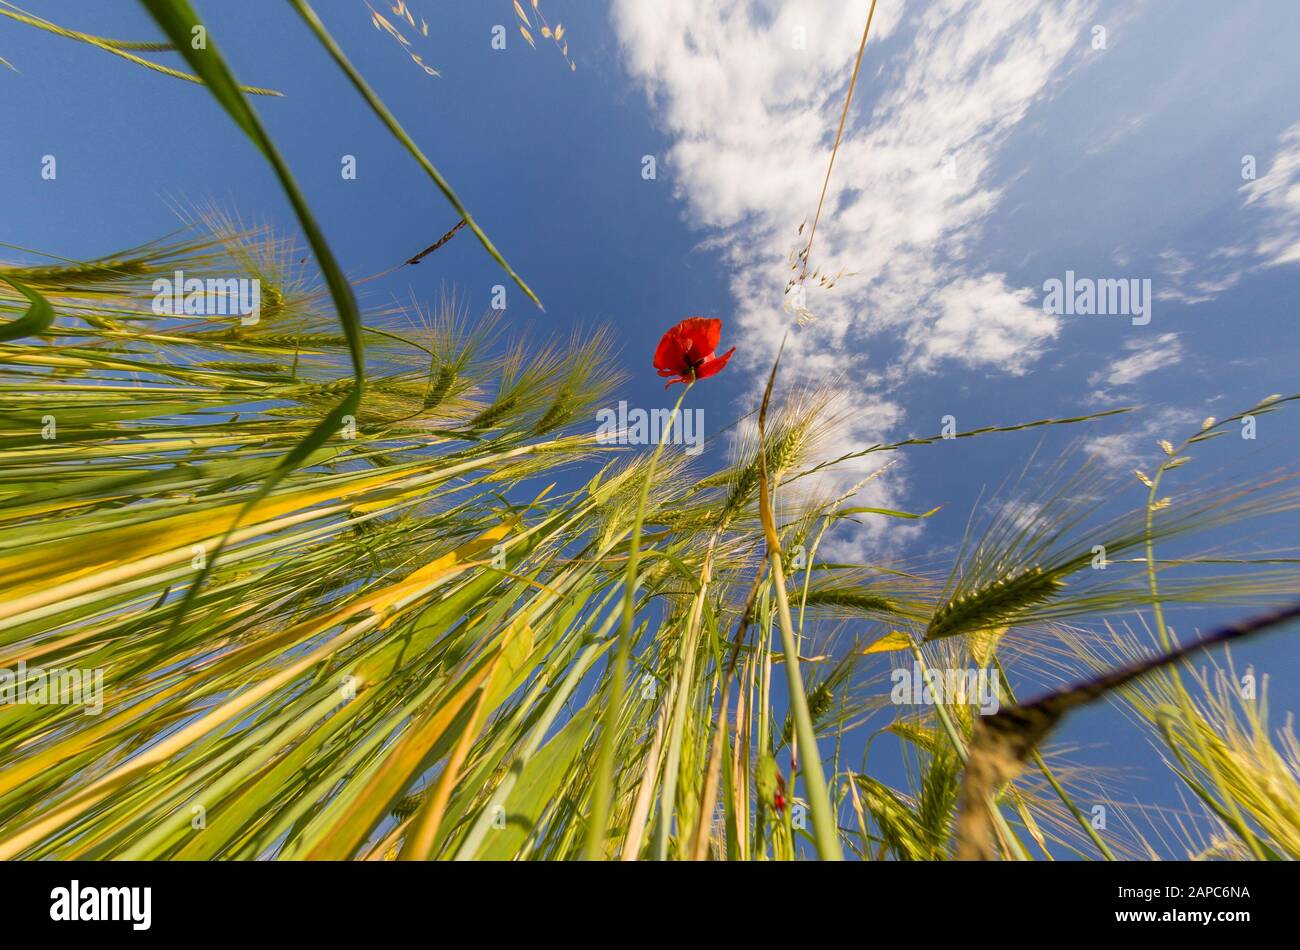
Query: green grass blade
column 121, row 48
column 35, row 321
column 178, row 20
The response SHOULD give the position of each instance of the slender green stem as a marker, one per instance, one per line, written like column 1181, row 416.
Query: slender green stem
column 594, row 849
column 681, row 698
column 119, row 48
column 1166, row 643
column 823, row 815
column 844, row 114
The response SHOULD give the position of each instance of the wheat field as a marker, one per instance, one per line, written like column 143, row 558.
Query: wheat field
column 364, row 584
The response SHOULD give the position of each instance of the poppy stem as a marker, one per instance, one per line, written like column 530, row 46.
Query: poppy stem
column 594, row 850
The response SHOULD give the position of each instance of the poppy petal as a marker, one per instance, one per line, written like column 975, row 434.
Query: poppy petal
column 714, row 365
column 704, row 334
column 670, row 354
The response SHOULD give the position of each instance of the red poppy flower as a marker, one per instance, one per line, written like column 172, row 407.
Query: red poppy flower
column 688, row 351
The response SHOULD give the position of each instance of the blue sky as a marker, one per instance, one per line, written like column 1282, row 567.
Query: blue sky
column 991, row 147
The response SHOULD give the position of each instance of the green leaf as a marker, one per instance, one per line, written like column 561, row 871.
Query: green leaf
column 36, row 321
column 537, row 788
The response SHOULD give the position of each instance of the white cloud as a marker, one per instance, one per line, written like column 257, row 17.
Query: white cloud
column 1138, row 443
column 982, row 321
column 1122, row 130
column 1276, row 195
column 1277, row 192
column 1144, row 356
column 752, row 118
column 1186, row 282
